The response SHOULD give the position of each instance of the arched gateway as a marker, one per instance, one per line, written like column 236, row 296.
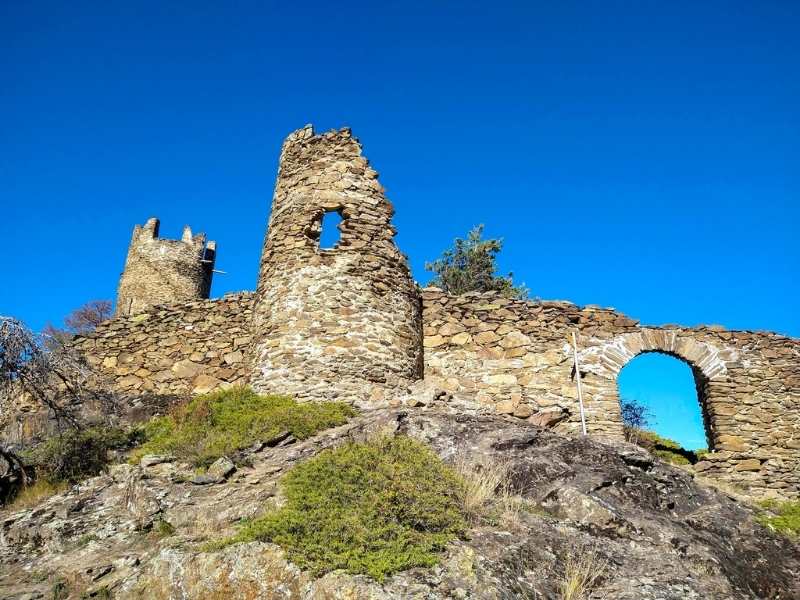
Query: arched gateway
column 601, row 365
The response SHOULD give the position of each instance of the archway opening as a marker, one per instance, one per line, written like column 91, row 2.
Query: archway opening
column 331, row 232
column 668, row 396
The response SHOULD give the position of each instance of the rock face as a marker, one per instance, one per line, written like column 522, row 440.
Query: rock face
column 340, row 323
column 161, row 271
column 651, row 529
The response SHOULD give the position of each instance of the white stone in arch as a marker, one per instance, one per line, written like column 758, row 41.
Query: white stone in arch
column 607, row 360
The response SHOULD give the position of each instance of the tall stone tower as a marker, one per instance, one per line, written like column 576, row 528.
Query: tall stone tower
column 341, row 323
column 161, row 271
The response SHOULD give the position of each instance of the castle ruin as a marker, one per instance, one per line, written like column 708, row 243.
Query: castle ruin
column 161, row 271
column 349, row 323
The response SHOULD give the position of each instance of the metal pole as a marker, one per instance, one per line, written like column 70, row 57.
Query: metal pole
column 578, row 380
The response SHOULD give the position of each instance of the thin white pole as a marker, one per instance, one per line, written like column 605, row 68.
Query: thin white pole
column 578, row 380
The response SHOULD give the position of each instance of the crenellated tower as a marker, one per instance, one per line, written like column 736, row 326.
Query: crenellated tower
column 163, row 271
column 340, row 323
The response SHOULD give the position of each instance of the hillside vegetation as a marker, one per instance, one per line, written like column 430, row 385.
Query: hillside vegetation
column 224, row 422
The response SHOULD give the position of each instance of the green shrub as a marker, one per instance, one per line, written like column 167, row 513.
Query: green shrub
column 783, row 517
column 374, row 508
column 163, row 528
column 77, row 454
column 223, row 422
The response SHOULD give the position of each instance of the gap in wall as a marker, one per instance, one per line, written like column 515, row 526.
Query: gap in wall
column 666, row 386
column 330, row 234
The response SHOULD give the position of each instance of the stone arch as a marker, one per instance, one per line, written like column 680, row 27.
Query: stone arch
column 601, row 365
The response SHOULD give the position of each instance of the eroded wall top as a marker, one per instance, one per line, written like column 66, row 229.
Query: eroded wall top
column 338, row 323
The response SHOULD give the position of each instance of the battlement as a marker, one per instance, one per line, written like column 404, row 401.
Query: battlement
column 160, row 270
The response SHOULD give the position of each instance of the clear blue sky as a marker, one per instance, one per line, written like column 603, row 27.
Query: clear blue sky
column 665, row 385
column 641, row 155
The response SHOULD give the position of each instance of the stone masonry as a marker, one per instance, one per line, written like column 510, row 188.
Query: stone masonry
column 161, row 271
column 329, row 324
column 349, row 323
column 516, row 357
column 175, row 350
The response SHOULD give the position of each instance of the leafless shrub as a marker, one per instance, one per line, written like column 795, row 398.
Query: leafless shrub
column 80, row 321
column 57, row 379
column 582, row 569
column 635, row 417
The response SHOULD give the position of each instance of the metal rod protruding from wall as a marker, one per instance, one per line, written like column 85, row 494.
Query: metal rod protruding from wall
column 578, row 380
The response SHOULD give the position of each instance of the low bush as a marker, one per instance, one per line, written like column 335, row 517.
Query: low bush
column 77, row 454
column 783, row 517
column 226, row 421
column 375, row 508
column 68, row 457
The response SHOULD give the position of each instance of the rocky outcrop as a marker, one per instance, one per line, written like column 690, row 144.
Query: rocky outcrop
column 653, row 531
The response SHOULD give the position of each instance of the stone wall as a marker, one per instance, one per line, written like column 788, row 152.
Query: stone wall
column 162, row 271
column 340, row 323
column 516, row 356
column 174, row 350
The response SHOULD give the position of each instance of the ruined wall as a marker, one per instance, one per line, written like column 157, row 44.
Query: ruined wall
column 177, row 349
column 342, row 323
column 161, row 271
column 516, row 357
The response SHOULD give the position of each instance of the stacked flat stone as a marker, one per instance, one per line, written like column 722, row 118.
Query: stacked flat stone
column 162, row 271
column 343, row 323
column 174, row 350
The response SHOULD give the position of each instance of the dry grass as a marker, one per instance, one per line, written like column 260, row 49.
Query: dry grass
column 736, row 492
column 487, row 490
column 582, row 569
column 36, row 493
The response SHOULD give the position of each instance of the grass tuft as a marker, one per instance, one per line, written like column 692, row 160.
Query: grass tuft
column 226, row 421
column 582, row 570
column 375, row 508
column 783, row 517
column 35, row 494
column 163, row 528
column 487, row 490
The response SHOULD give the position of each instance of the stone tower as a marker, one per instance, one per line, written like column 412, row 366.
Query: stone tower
column 161, row 271
column 341, row 323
